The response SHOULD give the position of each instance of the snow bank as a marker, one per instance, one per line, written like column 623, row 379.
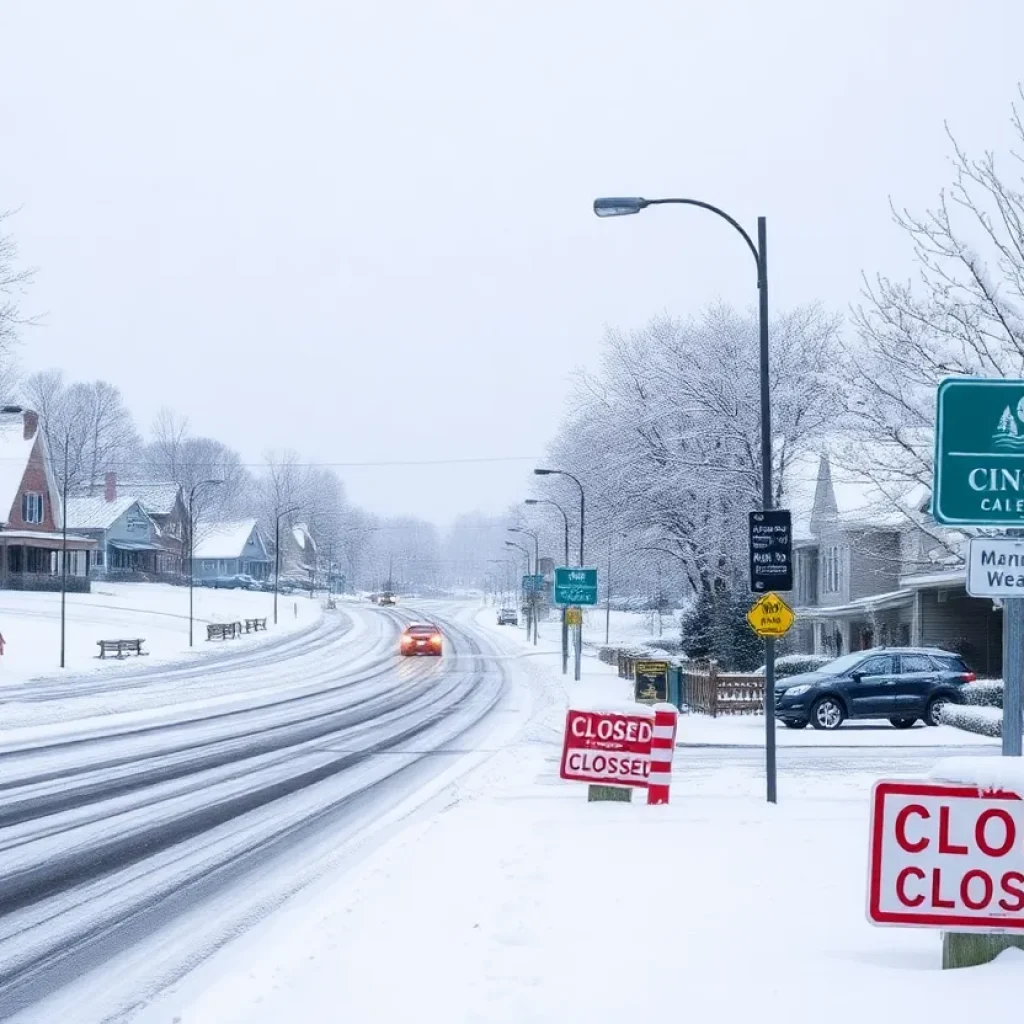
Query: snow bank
column 989, row 774
column 982, row 720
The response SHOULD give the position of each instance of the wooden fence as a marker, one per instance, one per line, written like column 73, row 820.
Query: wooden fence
column 708, row 690
column 703, row 686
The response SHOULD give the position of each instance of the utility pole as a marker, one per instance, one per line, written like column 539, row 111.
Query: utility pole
column 64, row 551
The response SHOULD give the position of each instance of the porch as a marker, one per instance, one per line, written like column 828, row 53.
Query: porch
column 927, row 611
column 31, row 560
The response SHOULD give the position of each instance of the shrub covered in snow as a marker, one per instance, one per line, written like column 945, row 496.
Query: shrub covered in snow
column 987, row 693
column 984, row 721
column 795, row 664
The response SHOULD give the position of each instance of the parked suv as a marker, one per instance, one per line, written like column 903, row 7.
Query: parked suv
column 902, row 684
column 508, row 617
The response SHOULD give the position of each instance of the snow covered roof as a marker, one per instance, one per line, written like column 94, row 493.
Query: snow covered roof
column 223, row 540
column 96, row 513
column 303, row 538
column 15, row 450
column 156, row 498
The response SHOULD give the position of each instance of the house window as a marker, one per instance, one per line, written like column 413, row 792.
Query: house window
column 832, row 570
column 97, row 558
column 32, row 507
column 209, row 566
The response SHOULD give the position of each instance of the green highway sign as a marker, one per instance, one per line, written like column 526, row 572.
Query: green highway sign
column 979, row 452
column 533, row 584
column 575, row 586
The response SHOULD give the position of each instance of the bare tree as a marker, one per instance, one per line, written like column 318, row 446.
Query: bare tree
column 14, row 281
column 963, row 315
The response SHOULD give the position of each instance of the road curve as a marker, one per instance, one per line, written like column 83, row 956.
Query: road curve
column 109, row 833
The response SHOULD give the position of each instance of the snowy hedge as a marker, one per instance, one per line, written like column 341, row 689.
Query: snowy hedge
column 986, row 693
column 984, row 721
column 794, row 664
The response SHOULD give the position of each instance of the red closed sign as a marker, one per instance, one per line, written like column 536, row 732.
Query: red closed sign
column 607, row 747
column 945, row 855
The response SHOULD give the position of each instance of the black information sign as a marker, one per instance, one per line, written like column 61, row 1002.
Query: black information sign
column 651, row 684
column 771, row 550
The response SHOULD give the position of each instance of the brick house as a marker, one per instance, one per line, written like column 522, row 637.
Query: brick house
column 871, row 574
column 31, row 514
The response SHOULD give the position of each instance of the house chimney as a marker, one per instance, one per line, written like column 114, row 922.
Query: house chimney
column 31, row 424
column 110, row 487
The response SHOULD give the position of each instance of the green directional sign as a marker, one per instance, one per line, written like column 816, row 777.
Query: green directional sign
column 575, row 586
column 979, row 452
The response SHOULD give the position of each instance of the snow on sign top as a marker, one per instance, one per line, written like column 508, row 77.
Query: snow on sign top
column 945, row 855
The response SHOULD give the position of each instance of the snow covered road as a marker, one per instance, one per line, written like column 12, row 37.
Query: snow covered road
column 117, row 824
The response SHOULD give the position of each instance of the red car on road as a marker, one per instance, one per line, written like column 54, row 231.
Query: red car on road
column 420, row 638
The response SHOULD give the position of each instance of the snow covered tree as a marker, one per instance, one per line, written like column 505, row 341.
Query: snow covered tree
column 666, row 435
column 14, row 280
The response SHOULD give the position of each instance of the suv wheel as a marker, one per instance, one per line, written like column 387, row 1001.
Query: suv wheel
column 935, row 705
column 903, row 723
column 827, row 713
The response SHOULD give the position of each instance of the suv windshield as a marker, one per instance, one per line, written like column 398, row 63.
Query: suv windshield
column 844, row 664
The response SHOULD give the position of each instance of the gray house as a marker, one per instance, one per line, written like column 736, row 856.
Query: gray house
column 869, row 574
column 227, row 549
column 128, row 541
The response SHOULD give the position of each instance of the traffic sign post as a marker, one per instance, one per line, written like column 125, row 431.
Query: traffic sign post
column 771, row 550
column 979, row 481
column 575, row 586
column 948, row 856
column 574, row 616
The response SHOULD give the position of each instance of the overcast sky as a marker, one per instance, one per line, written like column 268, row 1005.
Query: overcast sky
column 364, row 231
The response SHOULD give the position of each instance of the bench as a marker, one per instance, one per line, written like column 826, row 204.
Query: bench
column 255, row 625
column 223, row 630
column 120, row 648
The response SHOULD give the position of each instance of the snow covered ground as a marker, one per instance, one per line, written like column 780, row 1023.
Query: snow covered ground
column 155, row 612
column 514, row 900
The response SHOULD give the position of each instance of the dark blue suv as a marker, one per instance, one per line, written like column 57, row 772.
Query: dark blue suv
column 902, row 684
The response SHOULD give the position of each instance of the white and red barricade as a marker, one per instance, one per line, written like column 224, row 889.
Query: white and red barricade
column 621, row 745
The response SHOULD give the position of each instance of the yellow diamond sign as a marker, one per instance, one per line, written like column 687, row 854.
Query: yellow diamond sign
column 771, row 616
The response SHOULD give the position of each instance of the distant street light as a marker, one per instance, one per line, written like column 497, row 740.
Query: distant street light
column 565, row 625
column 623, row 206
column 192, row 544
column 525, row 551
column 536, row 573
column 583, row 508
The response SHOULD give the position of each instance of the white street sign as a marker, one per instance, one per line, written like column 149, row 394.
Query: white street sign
column 995, row 567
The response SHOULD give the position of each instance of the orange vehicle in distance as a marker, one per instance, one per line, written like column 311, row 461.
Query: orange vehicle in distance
column 420, row 638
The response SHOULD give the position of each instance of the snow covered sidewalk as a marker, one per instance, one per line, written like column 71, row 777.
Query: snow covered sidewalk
column 519, row 902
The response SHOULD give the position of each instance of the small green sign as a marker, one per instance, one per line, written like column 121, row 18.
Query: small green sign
column 979, row 452
column 575, row 586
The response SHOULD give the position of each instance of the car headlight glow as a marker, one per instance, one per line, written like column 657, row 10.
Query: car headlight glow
column 795, row 691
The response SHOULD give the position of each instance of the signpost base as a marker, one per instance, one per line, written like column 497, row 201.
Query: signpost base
column 968, row 949
column 615, row 793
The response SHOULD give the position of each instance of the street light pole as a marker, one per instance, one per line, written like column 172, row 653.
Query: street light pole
column 192, row 546
column 618, row 207
column 526, row 552
column 277, row 551
column 64, row 550
column 565, row 624
column 583, row 509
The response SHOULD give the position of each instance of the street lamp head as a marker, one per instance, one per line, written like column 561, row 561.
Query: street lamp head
column 619, row 206
column 531, row 501
column 545, row 472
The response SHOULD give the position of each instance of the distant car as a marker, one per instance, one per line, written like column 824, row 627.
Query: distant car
column 240, row 581
column 508, row 617
column 387, row 598
column 420, row 638
column 902, row 684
